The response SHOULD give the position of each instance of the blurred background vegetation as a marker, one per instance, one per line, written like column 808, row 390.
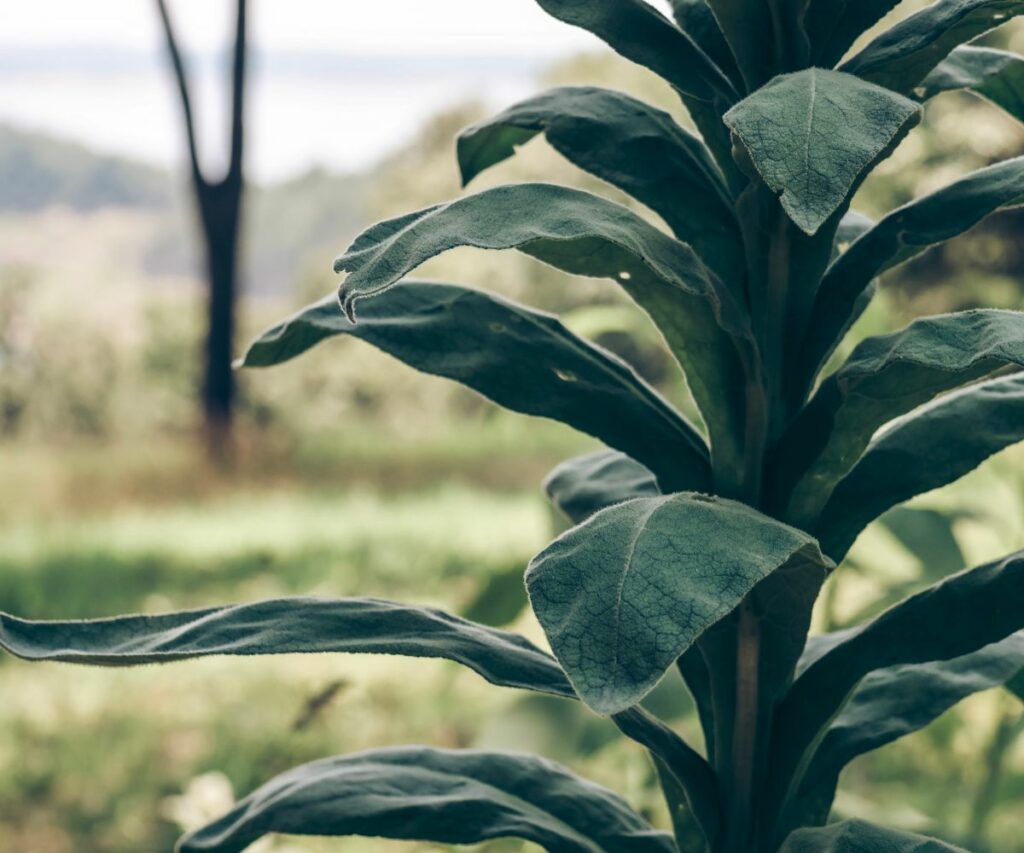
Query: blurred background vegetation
column 354, row 476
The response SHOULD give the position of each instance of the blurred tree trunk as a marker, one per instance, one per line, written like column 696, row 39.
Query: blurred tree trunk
column 219, row 207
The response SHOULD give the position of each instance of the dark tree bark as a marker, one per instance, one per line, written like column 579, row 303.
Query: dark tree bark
column 219, row 207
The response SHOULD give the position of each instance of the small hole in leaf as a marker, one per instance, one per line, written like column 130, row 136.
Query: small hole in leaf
column 565, row 375
column 625, row 276
column 920, row 91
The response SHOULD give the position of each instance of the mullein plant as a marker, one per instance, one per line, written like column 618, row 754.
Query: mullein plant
column 696, row 550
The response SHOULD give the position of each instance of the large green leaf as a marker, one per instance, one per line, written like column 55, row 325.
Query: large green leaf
column 814, row 135
column 834, row 25
column 696, row 19
column 584, row 235
column 903, row 56
column 522, row 359
column 884, row 378
column 953, row 618
column 996, row 75
column 581, row 486
column 928, row 449
column 635, row 147
column 894, row 702
column 448, row 796
column 623, row 595
column 898, row 237
column 856, row 836
column 290, row 626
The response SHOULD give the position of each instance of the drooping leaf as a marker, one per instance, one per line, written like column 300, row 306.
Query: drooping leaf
column 623, row 595
column 928, row 449
column 643, row 35
column 884, row 378
column 581, row 486
column 950, row 619
column 856, row 836
column 814, row 135
column 894, row 702
column 996, row 75
column 290, row 626
column 834, row 25
column 898, row 237
column 696, row 19
column 635, row 147
column 584, row 235
column 904, row 55
column 522, row 359
column 447, row 796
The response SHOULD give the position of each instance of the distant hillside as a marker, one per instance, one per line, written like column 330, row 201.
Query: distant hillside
column 37, row 172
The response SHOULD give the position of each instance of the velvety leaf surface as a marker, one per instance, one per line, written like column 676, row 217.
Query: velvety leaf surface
column 696, row 19
column 448, row 796
column 748, row 30
column 289, row 626
column 928, row 449
column 858, row 837
column 884, row 378
column 900, row 236
column 635, row 147
column 643, row 35
column 996, row 75
column 953, row 618
column 584, row 485
column 585, row 235
column 814, row 134
column 522, row 359
column 623, row 595
column 904, row 55
column 894, row 702
column 834, row 25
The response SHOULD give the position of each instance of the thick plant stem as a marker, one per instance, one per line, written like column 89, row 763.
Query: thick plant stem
column 745, row 728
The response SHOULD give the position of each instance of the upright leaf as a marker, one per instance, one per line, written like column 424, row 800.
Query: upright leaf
column 834, row 25
column 522, row 359
column 625, row 594
column 930, row 448
column 884, row 378
column 289, row 626
column 894, row 702
column 696, row 19
column 898, row 237
column 815, row 134
column 749, row 30
column 447, row 796
column 953, row 618
column 904, row 55
column 855, row 836
column 995, row 75
column 635, row 147
column 584, row 485
column 584, row 235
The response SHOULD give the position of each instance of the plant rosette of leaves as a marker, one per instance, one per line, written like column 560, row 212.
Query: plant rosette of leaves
column 700, row 551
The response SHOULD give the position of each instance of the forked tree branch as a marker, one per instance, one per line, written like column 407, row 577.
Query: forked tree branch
column 181, row 76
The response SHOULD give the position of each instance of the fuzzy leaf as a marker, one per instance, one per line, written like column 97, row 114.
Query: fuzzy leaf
column 995, row 75
column 884, row 378
column 834, row 25
column 635, row 147
column 585, row 235
column 953, row 618
column 898, row 237
column 289, row 626
column 747, row 27
column 623, row 595
column 584, row 485
column 522, row 359
column 928, row 449
column 448, row 796
column 904, row 55
column 894, row 702
column 696, row 19
column 856, row 836
column 813, row 135
column 639, row 32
